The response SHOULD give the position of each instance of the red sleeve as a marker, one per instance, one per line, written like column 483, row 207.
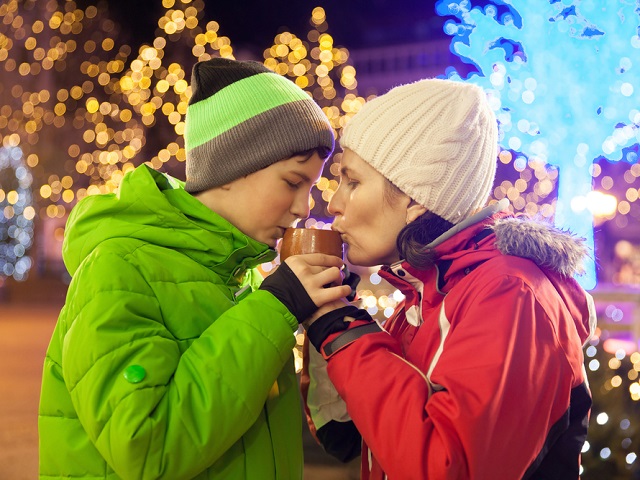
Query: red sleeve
column 505, row 381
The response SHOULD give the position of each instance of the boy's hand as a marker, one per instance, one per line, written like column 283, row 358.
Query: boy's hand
column 299, row 283
column 320, row 275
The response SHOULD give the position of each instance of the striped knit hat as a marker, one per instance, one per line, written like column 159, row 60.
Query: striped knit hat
column 436, row 140
column 243, row 117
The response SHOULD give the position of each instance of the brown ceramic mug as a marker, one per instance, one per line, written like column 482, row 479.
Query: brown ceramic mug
column 298, row 241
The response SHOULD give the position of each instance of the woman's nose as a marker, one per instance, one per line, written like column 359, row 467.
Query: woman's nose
column 335, row 204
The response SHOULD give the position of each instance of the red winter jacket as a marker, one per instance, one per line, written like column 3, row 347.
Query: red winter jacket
column 479, row 374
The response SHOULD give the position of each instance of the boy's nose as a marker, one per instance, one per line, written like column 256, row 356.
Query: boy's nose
column 301, row 207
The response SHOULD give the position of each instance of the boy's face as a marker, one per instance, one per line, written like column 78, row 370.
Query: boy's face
column 264, row 203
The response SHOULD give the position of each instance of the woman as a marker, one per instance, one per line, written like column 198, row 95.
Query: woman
column 479, row 372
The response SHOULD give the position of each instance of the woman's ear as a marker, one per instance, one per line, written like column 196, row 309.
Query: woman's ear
column 414, row 210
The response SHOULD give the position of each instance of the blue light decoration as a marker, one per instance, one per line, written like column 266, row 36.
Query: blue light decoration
column 561, row 77
column 16, row 223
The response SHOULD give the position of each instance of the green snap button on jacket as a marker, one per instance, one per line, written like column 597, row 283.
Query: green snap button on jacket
column 134, row 373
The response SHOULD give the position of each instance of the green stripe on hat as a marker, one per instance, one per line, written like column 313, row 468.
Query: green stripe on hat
column 274, row 135
column 218, row 113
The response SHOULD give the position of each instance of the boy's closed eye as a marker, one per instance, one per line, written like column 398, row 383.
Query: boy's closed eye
column 294, row 185
column 297, row 180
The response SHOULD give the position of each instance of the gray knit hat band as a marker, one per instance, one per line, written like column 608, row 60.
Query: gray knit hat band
column 256, row 143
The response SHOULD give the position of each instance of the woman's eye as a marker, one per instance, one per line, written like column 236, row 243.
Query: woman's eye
column 292, row 184
column 349, row 182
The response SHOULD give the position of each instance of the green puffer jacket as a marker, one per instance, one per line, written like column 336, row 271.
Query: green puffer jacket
column 163, row 364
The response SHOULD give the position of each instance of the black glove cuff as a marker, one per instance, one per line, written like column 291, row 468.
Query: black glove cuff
column 333, row 322
column 286, row 287
column 351, row 279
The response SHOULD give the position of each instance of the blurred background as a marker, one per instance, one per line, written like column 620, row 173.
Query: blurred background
column 89, row 90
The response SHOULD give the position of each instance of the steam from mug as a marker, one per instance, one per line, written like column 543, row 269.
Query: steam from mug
column 298, row 241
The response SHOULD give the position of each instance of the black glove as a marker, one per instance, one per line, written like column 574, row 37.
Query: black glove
column 332, row 322
column 285, row 286
column 340, row 439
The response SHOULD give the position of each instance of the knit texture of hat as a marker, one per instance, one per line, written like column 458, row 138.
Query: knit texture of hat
column 436, row 140
column 243, row 117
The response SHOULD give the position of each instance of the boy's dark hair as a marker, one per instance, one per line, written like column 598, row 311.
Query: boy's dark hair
column 322, row 152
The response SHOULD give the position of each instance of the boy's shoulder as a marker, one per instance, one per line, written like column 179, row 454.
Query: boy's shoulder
column 133, row 266
column 151, row 260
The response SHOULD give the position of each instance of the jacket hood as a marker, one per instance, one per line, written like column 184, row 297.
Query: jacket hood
column 560, row 254
column 155, row 208
column 549, row 247
column 493, row 232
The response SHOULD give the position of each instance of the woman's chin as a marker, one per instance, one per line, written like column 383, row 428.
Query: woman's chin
column 356, row 258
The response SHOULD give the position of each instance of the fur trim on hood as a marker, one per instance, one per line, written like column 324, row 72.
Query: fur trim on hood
column 548, row 246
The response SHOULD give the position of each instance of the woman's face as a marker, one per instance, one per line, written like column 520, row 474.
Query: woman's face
column 369, row 224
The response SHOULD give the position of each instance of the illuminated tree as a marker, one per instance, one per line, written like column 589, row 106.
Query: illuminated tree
column 560, row 77
column 83, row 107
column 77, row 104
column 321, row 68
column 614, row 432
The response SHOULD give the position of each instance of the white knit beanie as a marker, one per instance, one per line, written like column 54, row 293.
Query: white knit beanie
column 436, row 140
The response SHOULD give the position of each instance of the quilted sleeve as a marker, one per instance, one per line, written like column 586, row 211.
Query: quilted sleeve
column 151, row 409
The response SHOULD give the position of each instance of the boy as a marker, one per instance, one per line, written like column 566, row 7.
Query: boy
column 165, row 363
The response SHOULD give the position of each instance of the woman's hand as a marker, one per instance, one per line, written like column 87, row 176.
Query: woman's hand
column 326, row 308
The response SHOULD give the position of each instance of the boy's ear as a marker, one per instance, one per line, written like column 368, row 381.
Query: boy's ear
column 414, row 210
